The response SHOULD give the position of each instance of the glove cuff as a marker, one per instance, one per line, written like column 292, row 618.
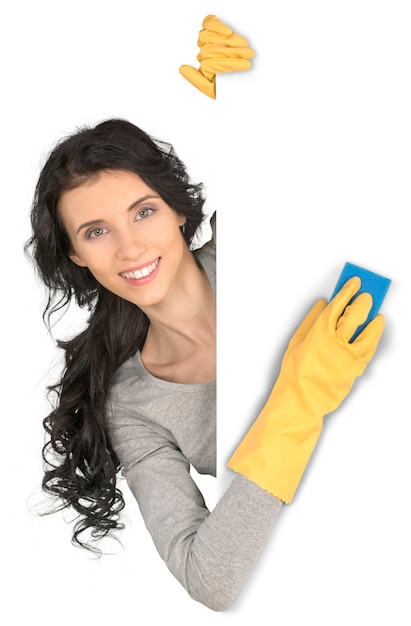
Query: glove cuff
column 274, row 455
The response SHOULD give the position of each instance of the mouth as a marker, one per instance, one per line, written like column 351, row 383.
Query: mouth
column 141, row 272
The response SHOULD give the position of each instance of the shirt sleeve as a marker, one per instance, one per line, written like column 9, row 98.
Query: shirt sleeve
column 211, row 553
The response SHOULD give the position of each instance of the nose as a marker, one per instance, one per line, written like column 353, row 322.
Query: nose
column 130, row 246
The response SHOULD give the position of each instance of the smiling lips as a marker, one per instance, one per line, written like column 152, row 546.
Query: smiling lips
column 141, row 274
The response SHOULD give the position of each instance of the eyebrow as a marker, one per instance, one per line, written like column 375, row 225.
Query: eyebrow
column 130, row 208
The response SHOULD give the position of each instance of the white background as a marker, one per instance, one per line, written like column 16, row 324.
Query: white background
column 306, row 157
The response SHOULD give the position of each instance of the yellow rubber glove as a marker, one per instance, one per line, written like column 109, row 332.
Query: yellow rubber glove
column 317, row 372
column 221, row 50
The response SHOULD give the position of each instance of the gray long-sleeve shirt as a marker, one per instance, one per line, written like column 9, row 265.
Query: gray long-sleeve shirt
column 158, row 429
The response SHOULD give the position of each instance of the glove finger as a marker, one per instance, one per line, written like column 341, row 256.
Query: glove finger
column 338, row 304
column 219, row 66
column 213, row 51
column 354, row 315
column 367, row 341
column 307, row 323
column 197, row 78
column 208, row 36
column 211, row 22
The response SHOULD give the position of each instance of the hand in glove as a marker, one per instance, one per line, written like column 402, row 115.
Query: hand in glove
column 317, row 372
column 221, row 50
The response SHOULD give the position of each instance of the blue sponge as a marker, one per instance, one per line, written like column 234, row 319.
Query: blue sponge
column 375, row 284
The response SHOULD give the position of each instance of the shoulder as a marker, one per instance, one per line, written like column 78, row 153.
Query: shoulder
column 210, row 244
column 206, row 255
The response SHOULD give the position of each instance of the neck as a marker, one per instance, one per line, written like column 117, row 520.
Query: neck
column 184, row 324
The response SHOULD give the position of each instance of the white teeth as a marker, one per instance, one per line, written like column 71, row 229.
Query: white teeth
column 145, row 271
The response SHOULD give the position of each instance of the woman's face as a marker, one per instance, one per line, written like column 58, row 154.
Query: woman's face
column 127, row 236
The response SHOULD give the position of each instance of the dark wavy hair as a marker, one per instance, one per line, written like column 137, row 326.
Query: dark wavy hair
column 80, row 465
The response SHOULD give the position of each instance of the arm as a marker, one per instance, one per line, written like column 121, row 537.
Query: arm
column 210, row 553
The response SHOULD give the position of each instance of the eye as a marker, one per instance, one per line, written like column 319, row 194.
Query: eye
column 143, row 213
column 96, row 233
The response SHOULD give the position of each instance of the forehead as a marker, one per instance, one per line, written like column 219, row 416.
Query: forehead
column 107, row 184
column 111, row 190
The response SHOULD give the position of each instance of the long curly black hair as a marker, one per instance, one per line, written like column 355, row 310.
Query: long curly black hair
column 80, row 465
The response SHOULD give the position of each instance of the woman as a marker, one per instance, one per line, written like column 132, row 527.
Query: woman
column 113, row 218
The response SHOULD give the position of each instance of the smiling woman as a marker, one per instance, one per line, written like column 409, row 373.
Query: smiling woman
column 113, row 218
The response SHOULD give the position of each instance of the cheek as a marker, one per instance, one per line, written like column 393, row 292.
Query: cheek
column 77, row 259
column 96, row 263
column 176, row 244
